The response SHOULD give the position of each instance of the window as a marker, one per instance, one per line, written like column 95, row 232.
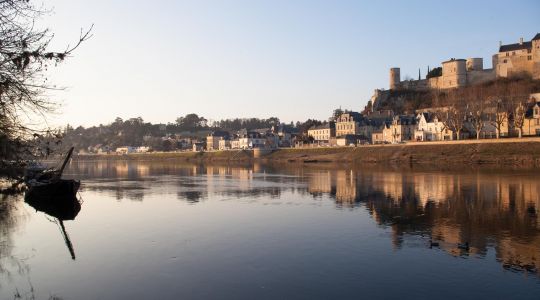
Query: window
column 529, row 50
column 504, row 61
column 529, row 57
column 507, row 53
column 513, row 53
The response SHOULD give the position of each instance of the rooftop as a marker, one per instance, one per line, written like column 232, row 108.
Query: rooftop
column 519, row 46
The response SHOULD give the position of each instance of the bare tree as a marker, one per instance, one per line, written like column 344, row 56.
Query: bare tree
column 24, row 57
column 518, row 94
column 518, row 117
column 476, row 108
column 457, row 112
column 500, row 114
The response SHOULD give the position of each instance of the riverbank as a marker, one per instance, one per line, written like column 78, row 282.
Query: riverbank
column 515, row 152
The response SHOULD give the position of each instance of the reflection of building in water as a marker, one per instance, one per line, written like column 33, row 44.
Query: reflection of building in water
column 346, row 187
column 519, row 196
column 391, row 184
column 131, row 170
column 320, row 182
column 433, row 188
column 481, row 210
column 342, row 183
column 516, row 254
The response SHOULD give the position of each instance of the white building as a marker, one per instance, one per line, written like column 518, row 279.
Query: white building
column 126, row 150
column 428, row 128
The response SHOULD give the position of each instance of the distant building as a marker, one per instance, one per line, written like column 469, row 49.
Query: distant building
column 348, row 123
column 224, row 144
column 378, row 135
column 402, row 129
column 142, row 149
column 531, row 124
column 126, row 150
column 522, row 57
column 212, row 140
column 430, row 129
column 198, row 146
column 323, row 132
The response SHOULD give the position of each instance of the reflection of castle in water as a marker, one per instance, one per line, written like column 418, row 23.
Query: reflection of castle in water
column 487, row 210
column 480, row 209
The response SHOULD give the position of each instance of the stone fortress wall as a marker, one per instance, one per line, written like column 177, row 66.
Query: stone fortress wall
column 512, row 59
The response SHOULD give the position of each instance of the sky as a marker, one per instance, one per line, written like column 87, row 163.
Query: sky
column 288, row 59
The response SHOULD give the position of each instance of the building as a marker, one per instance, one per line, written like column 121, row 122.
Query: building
column 126, row 150
column 224, row 144
column 531, row 124
column 512, row 59
column 401, row 129
column 347, row 140
column 212, row 140
column 250, row 140
column 198, row 146
column 522, row 57
column 323, row 132
column 429, row 128
column 348, row 123
column 377, row 136
column 142, row 149
column 455, row 73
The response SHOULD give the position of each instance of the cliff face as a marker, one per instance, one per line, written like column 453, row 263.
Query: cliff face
column 401, row 101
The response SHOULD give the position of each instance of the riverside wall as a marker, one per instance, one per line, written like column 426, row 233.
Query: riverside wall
column 513, row 152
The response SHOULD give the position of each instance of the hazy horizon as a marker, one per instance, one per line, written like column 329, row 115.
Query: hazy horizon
column 292, row 60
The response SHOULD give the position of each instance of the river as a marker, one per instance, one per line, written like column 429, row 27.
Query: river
column 162, row 230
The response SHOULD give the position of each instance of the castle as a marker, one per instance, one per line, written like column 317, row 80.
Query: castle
column 512, row 59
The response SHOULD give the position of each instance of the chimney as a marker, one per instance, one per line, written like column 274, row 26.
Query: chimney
column 500, row 43
column 521, row 41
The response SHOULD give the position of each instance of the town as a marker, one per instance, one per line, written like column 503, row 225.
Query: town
column 459, row 100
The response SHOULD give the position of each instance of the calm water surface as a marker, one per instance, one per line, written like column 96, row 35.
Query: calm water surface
column 168, row 231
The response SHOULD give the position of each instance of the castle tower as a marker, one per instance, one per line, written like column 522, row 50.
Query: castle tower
column 395, row 78
column 475, row 64
column 454, row 73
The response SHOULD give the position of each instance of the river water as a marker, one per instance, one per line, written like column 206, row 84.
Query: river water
column 162, row 230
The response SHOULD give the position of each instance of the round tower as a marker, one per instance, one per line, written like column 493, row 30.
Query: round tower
column 475, row 64
column 395, row 78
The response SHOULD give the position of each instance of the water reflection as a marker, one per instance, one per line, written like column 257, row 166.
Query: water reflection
column 11, row 218
column 60, row 207
column 482, row 209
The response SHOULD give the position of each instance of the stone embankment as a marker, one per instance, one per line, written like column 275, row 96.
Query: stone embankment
column 513, row 152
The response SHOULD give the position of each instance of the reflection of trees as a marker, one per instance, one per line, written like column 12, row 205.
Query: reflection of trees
column 10, row 218
column 133, row 191
column 191, row 196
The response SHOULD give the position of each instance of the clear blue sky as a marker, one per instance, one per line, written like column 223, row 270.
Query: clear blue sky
column 290, row 59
